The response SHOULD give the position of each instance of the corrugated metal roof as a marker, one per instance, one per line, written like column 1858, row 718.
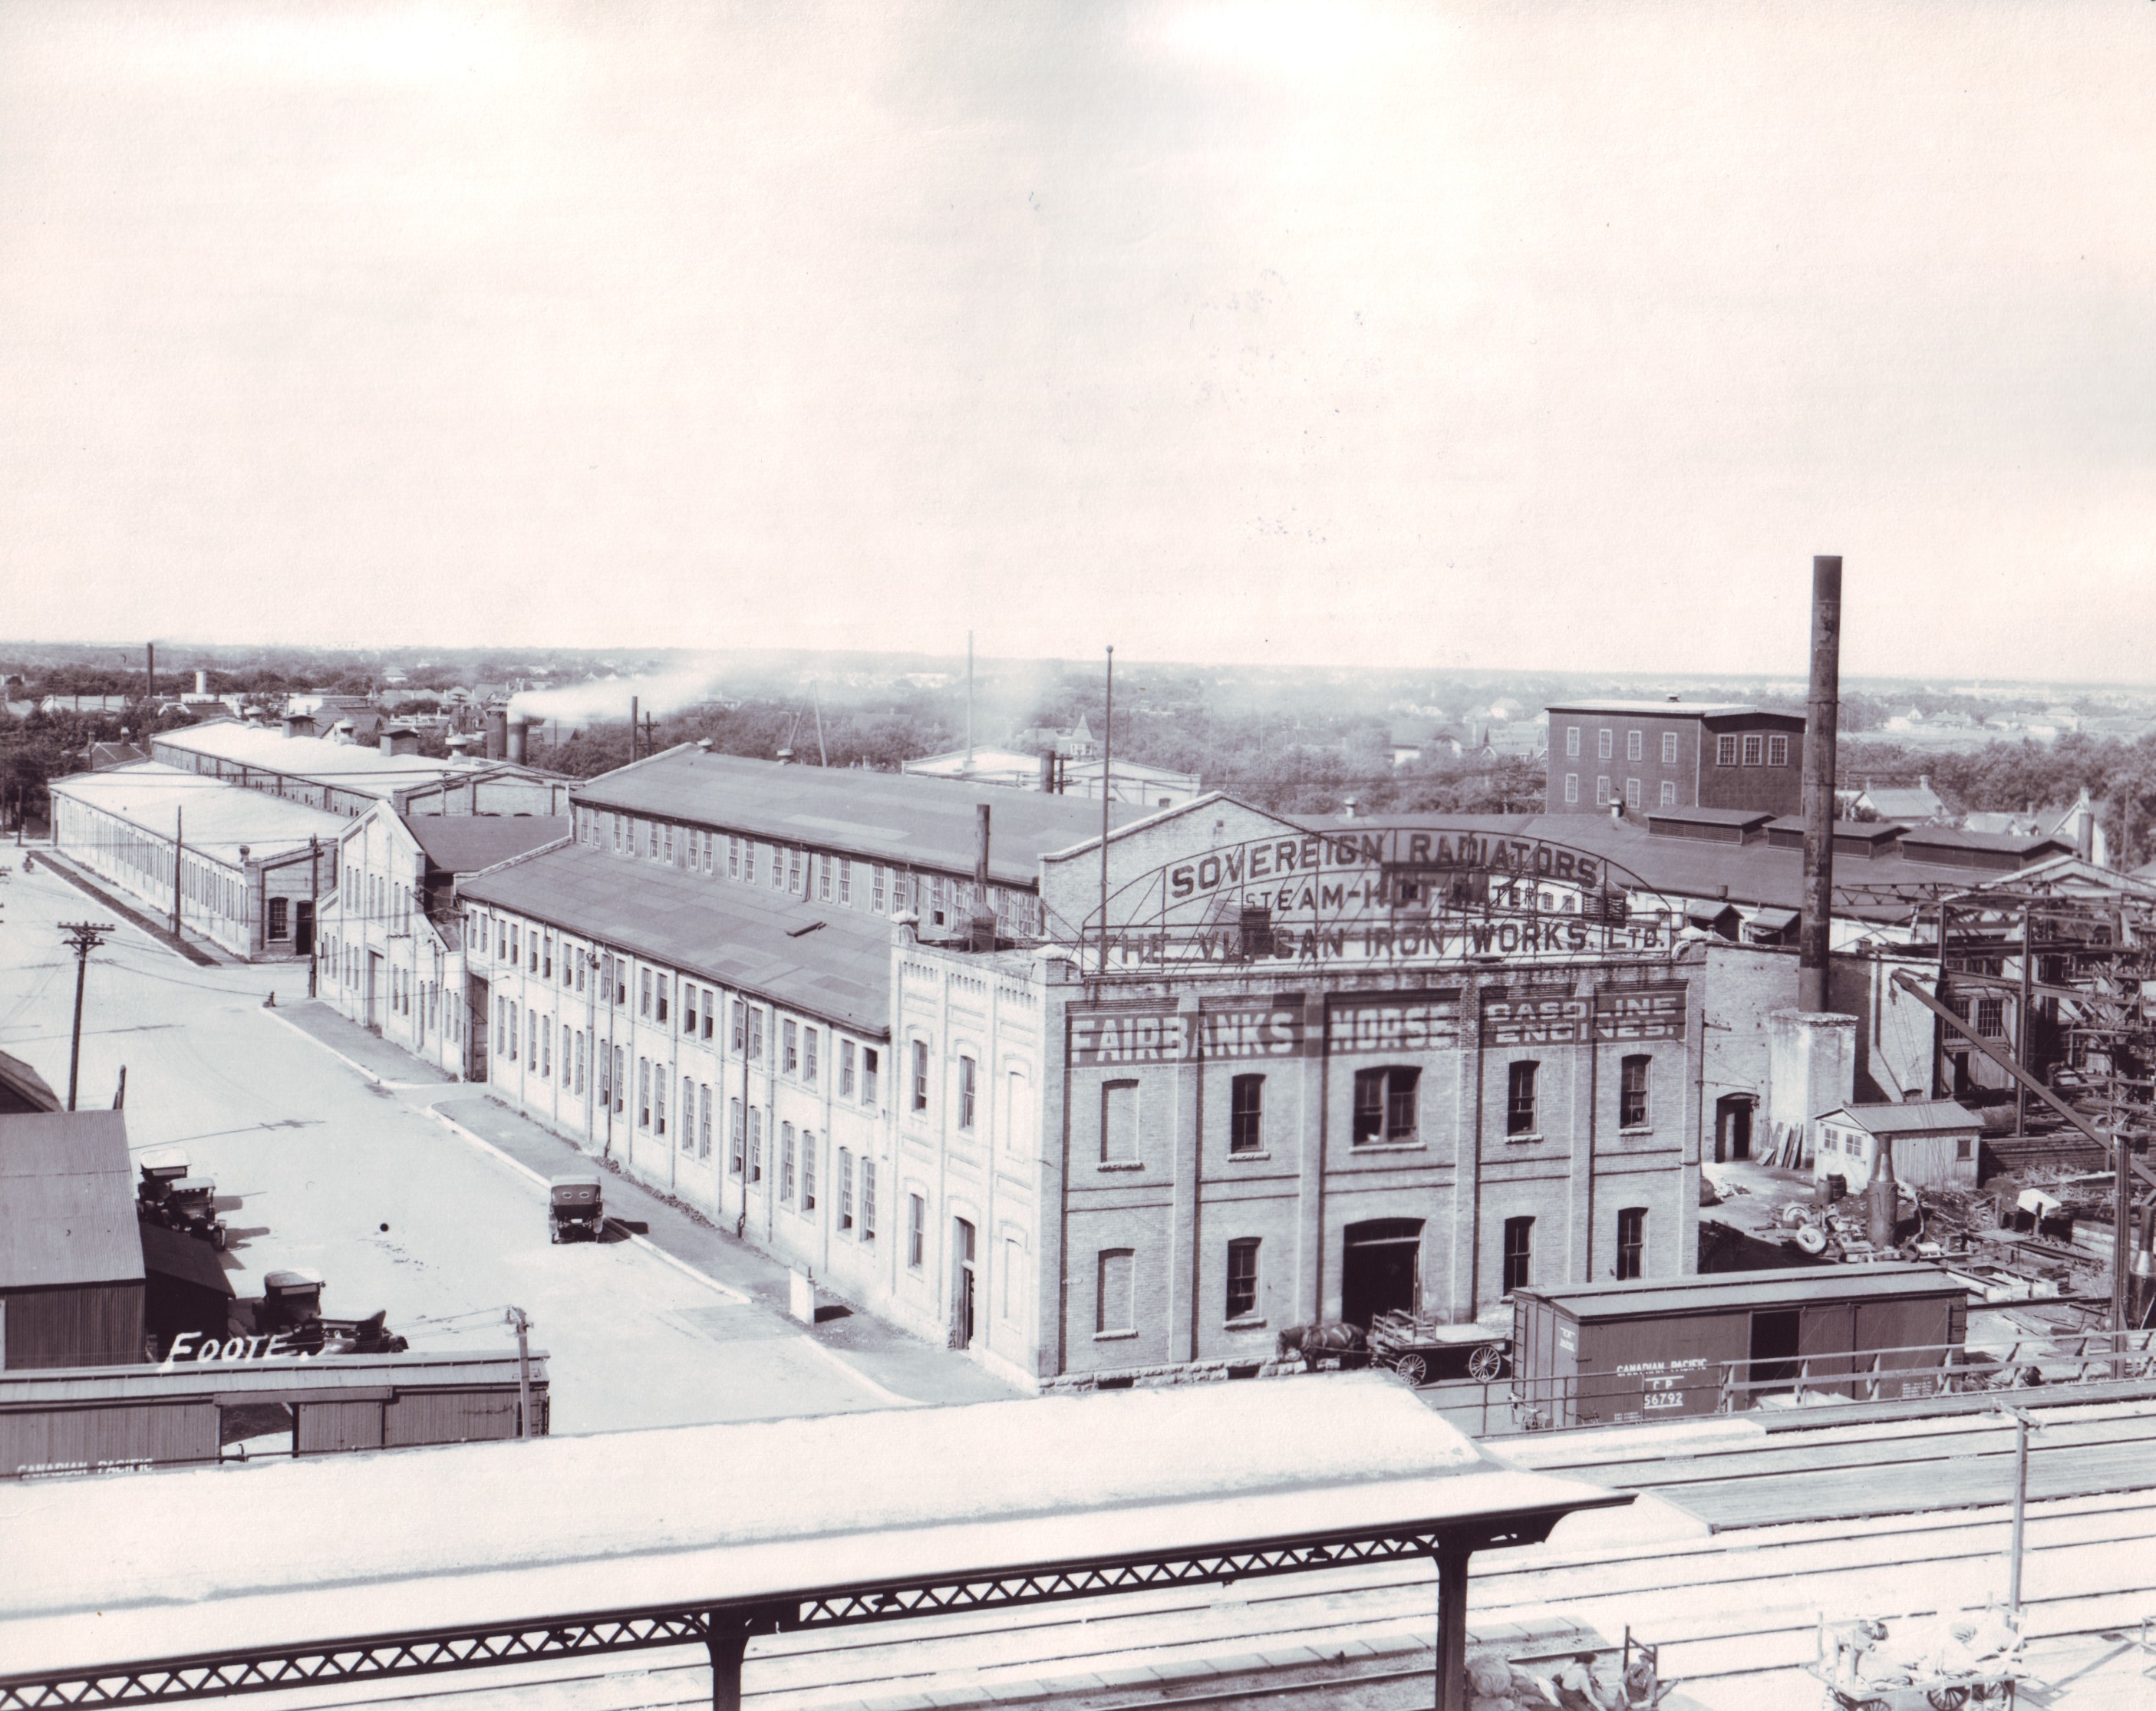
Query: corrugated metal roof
column 464, row 843
column 905, row 817
column 216, row 817
column 1714, row 1291
column 67, row 1200
column 736, row 934
column 1909, row 1116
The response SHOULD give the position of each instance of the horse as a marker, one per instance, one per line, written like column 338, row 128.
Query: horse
column 1314, row 1341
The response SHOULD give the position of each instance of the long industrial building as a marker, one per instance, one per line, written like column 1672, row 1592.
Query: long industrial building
column 246, row 870
column 349, row 778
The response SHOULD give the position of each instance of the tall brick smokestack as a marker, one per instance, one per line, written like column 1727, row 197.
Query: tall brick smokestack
column 1816, row 917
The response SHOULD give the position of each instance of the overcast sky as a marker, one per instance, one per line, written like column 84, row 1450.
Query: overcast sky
column 1545, row 335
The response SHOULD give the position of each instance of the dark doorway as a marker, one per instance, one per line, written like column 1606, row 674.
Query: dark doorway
column 962, row 1284
column 1380, row 1269
column 1733, row 1127
column 476, row 1030
column 1774, row 1351
column 303, row 933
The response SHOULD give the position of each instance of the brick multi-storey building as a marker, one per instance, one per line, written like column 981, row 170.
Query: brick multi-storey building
column 1648, row 754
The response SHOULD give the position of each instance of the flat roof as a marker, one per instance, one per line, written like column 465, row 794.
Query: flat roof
column 469, row 1535
column 358, row 767
column 1713, row 1291
column 741, row 936
column 2004, row 843
column 464, row 843
column 67, row 1200
column 216, row 817
column 1745, row 819
column 1675, row 709
column 908, row 819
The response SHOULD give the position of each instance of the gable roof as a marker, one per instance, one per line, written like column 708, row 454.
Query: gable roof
column 69, row 1201
column 904, row 819
column 464, row 843
column 740, row 936
column 1910, row 1116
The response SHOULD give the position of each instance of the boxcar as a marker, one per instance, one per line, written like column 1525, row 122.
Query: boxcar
column 1602, row 1353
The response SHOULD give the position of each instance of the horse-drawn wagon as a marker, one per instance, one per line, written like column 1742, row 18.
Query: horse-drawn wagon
column 1417, row 1348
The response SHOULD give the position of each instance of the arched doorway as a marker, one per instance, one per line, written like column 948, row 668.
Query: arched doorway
column 1732, row 1126
column 1380, row 1269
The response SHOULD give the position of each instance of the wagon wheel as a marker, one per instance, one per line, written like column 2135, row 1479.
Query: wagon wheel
column 1487, row 1363
column 1948, row 1698
column 1412, row 1368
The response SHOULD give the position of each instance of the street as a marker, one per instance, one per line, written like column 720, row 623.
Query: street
column 318, row 1164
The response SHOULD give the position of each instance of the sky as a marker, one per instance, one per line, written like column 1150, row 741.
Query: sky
column 1546, row 335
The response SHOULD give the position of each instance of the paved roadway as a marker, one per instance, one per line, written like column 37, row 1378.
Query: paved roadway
column 319, row 1164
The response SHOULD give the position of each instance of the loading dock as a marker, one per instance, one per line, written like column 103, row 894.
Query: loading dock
column 1605, row 1354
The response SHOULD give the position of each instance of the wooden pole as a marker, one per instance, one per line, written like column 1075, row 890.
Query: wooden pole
column 2021, row 1027
column 1107, row 786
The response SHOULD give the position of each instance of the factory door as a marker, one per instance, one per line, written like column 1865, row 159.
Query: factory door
column 374, row 990
column 962, row 1284
column 303, row 932
column 476, row 1030
column 1380, row 1269
column 1733, row 1127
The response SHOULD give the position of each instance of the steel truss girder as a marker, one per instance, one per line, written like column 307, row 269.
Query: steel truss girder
column 172, row 1680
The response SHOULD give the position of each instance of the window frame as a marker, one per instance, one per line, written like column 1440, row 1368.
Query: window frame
column 1522, row 1098
column 1517, row 1255
column 1631, row 1243
column 1242, row 1279
column 1634, row 1089
column 1246, row 1116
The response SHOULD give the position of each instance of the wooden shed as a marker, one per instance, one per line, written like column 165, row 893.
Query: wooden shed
column 70, row 1258
column 1934, row 1143
column 1606, row 1353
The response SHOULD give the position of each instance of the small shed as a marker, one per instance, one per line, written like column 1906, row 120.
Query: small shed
column 186, row 1287
column 1933, row 1144
column 1601, row 1353
column 70, row 1260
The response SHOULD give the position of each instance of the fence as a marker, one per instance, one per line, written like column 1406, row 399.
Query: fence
column 1681, row 1389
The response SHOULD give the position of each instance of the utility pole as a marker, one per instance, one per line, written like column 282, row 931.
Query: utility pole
column 84, row 937
column 179, row 861
column 517, row 1317
column 1107, row 786
column 631, row 730
column 314, row 909
column 2021, row 1429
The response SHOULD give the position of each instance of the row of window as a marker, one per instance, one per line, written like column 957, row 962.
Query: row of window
column 798, row 870
column 1634, row 797
column 1737, row 748
column 798, row 1045
column 855, row 1175
column 1386, row 1110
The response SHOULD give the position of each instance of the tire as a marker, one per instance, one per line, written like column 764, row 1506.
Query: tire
column 1487, row 1363
column 1412, row 1368
column 1812, row 1240
column 216, row 1239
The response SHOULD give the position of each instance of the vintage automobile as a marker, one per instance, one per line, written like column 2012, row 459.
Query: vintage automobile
column 167, row 1195
column 291, row 1307
column 576, row 1203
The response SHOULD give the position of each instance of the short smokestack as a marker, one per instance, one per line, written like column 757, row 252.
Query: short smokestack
column 1816, row 913
column 981, row 930
column 201, row 683
column 516, row 732
column 497, row 733
column 399, row 739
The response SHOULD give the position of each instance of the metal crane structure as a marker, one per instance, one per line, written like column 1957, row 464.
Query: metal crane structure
column 2045, row 990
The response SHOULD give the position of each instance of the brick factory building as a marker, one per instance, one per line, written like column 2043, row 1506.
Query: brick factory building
column 1643, row 755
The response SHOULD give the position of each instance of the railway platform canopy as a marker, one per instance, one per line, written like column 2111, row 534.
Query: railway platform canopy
column 368, row 1566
